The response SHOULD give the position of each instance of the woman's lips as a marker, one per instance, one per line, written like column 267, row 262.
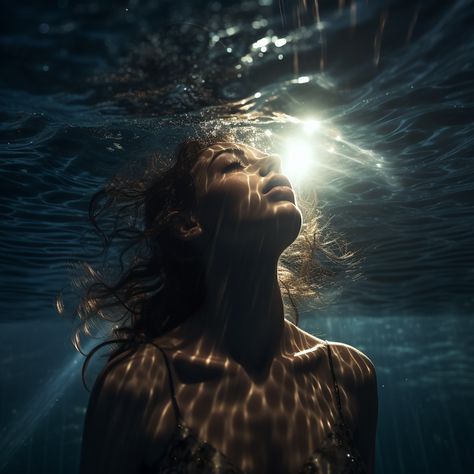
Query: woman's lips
column 277, row 180
column 284, row 192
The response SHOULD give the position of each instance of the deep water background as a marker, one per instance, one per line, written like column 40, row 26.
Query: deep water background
column 87, row 86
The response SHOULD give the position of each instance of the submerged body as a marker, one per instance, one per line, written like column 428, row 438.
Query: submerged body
column 226, row 421
column 234, row 383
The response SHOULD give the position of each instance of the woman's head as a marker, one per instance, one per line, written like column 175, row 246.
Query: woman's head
column 241, row 202
column 216, row 195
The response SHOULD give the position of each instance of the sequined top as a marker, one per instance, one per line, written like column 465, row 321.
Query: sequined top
column 187, row 453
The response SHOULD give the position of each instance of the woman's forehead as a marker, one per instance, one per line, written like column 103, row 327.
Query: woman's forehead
column 209, row 152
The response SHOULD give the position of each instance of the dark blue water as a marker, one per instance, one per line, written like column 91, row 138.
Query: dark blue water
column 86, row 87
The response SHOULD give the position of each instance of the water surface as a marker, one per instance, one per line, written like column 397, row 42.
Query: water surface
column 86, row 87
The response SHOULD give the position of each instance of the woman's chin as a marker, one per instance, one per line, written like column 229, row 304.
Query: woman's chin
column 287, row 212
column 286, row 225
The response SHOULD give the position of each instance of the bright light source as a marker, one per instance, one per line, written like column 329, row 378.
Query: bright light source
column 261, row 43
column 280, row 42
column 297, row 159
column 311, row 125
column 303, row 79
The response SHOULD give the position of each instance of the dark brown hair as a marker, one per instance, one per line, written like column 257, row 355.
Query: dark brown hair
column 157, row 281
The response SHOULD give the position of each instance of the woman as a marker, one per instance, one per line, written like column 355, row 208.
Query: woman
column 215, row 378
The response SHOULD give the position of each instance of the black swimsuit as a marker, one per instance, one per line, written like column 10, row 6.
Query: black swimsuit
column 187, row 454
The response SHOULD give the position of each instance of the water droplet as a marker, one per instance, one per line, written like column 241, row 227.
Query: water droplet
column 280, row 42
column 302, row 80
column 231, row 30
column 257, row 24
column 261, row 43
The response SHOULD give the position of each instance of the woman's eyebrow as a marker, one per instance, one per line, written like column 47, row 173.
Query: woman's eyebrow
column 237, row 151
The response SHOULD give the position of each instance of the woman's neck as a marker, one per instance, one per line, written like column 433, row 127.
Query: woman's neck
column 243, row 315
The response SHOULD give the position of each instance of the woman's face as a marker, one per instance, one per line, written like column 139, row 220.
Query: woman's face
column 243, row 199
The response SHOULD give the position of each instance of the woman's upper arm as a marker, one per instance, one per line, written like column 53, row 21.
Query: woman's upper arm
column 358, row 377
column 367, row 401
column 114, row 437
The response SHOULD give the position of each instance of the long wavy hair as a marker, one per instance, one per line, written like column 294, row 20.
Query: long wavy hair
column 148, row 281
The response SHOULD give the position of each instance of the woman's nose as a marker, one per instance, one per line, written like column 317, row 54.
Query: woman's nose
column 270, row 163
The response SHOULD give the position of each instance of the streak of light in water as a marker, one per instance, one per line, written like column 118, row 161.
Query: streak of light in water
column 19, row 430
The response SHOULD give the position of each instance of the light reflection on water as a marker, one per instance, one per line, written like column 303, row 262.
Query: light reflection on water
column 379, row 93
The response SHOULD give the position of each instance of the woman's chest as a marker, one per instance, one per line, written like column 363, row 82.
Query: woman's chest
column 270, row 427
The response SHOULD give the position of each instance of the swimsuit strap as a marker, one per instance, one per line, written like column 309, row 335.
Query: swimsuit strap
column 170, row 379
column 175, row 403
column 336, row 386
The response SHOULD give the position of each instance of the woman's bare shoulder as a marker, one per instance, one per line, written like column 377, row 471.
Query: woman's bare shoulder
column 357, row 375
column 353, row 366
column 122, row 405
column 132, row 372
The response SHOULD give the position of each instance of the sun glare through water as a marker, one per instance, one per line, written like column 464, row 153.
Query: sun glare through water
column 299, row 153
column 297, row 159
column 314, row 151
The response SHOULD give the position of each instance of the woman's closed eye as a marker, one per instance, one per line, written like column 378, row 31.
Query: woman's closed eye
column 233, row 165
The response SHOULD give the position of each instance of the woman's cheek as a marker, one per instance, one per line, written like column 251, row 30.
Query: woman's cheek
column 229, row 204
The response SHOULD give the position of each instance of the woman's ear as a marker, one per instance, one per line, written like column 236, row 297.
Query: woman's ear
column 185, row 226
